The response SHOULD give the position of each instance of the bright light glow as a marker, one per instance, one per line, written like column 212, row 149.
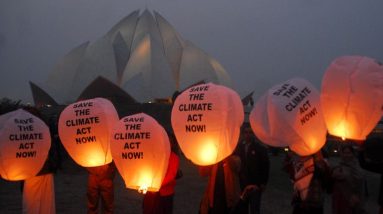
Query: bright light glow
column 208, row 153
column 98, row 157
column 312, row 143
column 145, row 180
column 286, row 149
column 14, row 174
column 340, row 130
column 143, row 189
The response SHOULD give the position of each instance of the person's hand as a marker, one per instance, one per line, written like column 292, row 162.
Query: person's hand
column 248, row 190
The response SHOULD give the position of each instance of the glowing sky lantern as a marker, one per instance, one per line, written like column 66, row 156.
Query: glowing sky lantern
column 352, row 96
column 24, row 145
column 206, row 120
column 140, row 149
column 84, row 130
column 289, row 114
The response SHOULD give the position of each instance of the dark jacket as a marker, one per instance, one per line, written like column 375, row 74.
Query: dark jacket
column 255, row 164
column 370, row 159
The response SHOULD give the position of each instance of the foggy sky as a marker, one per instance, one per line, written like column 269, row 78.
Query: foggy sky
column 259, row 42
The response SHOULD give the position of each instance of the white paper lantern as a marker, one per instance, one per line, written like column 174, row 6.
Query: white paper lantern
column 289, row 114
column 206, row 120
column 84, row 130
column 140, row 149
column 352, row 96
column 24, row 145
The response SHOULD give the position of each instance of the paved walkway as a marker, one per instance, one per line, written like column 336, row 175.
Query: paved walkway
column 70, row 184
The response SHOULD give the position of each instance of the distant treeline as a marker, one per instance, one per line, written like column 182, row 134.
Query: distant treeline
column 7, row 105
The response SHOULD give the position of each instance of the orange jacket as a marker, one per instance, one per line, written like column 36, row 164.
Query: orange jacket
column 169, row 182
column 231, row 167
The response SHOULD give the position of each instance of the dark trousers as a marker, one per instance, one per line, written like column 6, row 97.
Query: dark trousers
column 167, row 204
column 251, row 205
column 255, row 202
column 100, row 188
column 307, row 210
column 154, row 203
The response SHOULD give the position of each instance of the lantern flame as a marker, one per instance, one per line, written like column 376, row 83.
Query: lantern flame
column 341, row 130
column 208, row 152
column 98, row 157
column 146, row 180
column 143, row 188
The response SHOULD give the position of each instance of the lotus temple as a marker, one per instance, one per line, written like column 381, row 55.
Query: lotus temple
column 141, row 59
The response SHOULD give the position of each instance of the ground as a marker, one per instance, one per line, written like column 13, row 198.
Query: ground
column 70, row 184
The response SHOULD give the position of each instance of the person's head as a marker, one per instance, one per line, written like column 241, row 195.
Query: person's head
column 248, row 134
column 347, row 152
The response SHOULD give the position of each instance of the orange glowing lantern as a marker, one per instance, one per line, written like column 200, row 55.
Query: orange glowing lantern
column 84, row 130
column 24, row 145
column 140, row 149
column 352, row 96
column 289, row 114
column 206, row 120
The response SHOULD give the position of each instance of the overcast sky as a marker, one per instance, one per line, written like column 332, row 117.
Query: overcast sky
column 259, row 42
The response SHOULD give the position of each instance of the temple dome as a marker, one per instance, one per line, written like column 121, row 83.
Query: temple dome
column 142, row 54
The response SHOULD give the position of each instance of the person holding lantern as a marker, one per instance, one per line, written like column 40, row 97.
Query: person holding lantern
column 311, row 177
column 161, row 202
column 254, row 172
column 348, row 183
column 38, row 191
column 370, row 158
column 101, row 186
column 223, row 189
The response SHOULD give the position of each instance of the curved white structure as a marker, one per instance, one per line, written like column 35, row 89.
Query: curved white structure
column 142, row 54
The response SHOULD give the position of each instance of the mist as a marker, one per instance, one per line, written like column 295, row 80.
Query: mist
column 259, row 42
